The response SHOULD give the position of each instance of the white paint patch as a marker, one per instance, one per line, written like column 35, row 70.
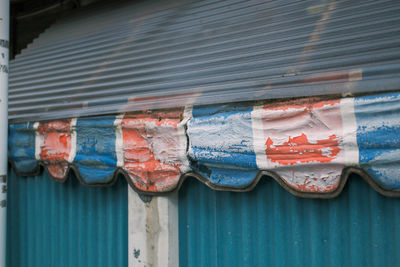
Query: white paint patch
column 38, row 140
column 72, row 128
column 351, row 153
column 231, row 133
column 315, row 178
column 119, row 140
column 384, row 121
column 182, row 126
column 166, row 143
column 222, row 137
column 387, row 157
column 153, row 231
column 258, row 138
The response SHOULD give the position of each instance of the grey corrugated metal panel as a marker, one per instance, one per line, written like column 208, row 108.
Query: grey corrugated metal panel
column 211, row 52
column 249, row 20
column 96, row 58
column 53, row 224
column 270, row 227
column 63, row 55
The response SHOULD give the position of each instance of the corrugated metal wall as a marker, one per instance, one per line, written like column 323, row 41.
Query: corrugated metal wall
column 137, row 55
column 270, row 227
column 52, row 224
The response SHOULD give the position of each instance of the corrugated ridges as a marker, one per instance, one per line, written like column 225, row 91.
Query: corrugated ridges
column 163, row 54
column 269, row 227
column 378, row 137
column 21, row 144
column 64, row 225
column 309, row 145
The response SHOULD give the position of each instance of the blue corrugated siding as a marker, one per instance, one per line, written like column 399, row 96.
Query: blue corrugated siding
column 270, row 227
column 52, row 224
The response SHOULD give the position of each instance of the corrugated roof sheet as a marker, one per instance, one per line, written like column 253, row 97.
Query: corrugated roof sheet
column 156, row 54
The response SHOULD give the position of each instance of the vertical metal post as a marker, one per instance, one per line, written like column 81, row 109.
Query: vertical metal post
column 153, row 231
column 4, row 53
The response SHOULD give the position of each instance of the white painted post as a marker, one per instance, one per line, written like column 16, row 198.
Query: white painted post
column 153, row 231
column 4, row 50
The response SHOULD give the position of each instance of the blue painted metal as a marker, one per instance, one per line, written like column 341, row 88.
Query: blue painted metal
column 64, row 225
column 221, row 144
column 21, row 146
column 269, row 227
column 95, row 157
column 378, row 137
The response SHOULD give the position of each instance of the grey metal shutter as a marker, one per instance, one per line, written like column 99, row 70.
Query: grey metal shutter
column 155, row 54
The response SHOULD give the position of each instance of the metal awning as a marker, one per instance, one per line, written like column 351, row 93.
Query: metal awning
column 309, row 145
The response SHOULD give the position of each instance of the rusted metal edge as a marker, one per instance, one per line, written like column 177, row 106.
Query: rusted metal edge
column 346, row 173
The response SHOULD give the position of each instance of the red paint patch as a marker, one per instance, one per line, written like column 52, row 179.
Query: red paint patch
column 56, row 146
column 306, row 104
column 144, row 145
column 302, row 131
column 306, row 187
column 299, row 150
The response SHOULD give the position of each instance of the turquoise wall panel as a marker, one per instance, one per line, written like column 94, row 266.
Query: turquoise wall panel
column 53, row 224
column 270, row 227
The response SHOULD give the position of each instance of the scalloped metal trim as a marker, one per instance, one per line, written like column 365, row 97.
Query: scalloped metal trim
column 346, row 172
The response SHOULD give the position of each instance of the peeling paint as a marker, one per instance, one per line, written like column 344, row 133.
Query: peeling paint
column 95, row 157
column 55, row 146
column 301, row 132
column 306, row 144
column 299, row 149
column 378, row 137
column 21, row 147
column 153, row 149
column 221, row 144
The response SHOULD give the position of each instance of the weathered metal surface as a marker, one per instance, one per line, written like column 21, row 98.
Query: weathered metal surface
column 378, row 137
column 21, row 147
column 309, row 145
column 221, row 144
column 95, row 157
column 302, row 141
column 127, row 56
column 269, row 227
column 153, row 149
column 55, row 141
column 64, row 225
